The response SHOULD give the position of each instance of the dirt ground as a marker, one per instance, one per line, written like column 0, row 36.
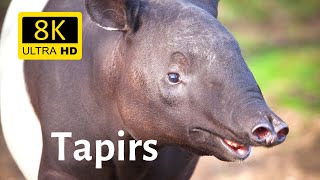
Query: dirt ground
column 297, row 158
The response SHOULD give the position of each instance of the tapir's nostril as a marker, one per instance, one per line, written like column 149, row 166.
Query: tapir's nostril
column 282, row 134
column 265, row 135
column 261, row 132
column 270, row 133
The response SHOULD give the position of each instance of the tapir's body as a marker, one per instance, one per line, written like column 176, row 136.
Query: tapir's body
column 75, row 102
column 164, row 70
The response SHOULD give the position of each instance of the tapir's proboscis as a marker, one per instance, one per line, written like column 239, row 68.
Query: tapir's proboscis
column 158, row 69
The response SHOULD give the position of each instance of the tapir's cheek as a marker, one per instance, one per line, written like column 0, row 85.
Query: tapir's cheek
column 136, row 80
column 134, row 119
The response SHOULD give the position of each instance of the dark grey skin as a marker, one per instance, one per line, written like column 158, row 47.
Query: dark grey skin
column 122, row 83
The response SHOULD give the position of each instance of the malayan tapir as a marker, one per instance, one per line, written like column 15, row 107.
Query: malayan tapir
column 158, row 69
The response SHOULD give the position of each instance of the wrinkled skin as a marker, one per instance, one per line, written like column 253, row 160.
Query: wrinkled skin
column 122, row 83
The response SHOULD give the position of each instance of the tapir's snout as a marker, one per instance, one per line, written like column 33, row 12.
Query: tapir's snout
column 252, row 124
column 272, row 131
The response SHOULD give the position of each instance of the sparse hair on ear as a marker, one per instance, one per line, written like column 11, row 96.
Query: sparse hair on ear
column 114, row 15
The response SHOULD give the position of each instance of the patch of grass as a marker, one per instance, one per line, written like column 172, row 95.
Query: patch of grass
column 291, row 76
column 262, row 11
column 301, row 9
column 242, row 9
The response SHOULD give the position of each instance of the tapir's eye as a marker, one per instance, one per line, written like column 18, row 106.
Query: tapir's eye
column 174, row 77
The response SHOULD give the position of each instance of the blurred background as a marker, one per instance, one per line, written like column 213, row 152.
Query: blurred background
column 280, row 40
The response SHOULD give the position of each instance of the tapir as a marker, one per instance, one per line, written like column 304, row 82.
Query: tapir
column 165, row 70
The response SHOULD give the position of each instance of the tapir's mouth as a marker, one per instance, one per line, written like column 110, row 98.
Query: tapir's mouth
column 240, row 150
column 223, row 148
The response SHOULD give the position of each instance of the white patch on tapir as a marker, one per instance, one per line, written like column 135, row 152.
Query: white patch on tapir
column 109, row 28
column 20, row 125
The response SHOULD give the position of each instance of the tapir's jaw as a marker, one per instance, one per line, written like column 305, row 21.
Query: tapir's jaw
column 209, row 143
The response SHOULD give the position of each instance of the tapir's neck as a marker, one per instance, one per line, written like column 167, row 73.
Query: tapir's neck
column 105, row 70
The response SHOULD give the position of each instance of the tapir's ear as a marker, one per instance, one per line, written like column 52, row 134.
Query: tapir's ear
column 210, row 5
column 114, row 14
column 179, row 62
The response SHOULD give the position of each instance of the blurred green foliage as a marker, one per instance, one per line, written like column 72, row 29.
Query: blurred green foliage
column 291, row 75
column 264, row 11
column 281, row 45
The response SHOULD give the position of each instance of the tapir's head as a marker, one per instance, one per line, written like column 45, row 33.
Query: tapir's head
column 183, row 79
